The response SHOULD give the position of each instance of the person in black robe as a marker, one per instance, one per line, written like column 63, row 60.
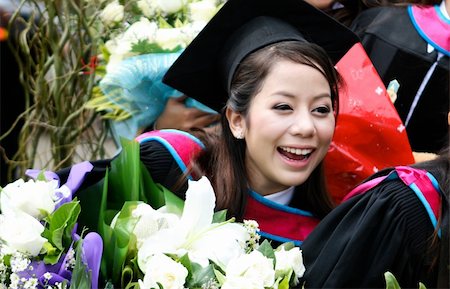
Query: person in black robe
column 398, row 225
column 411, row 44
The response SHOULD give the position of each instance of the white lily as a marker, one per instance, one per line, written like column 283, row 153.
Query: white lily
column 195, row 234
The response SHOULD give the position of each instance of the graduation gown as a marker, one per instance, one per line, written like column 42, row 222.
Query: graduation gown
column 387, row 228
column 398, row 50
column 279, row 223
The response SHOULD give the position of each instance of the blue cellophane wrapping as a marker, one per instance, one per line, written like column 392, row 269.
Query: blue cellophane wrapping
column 135, row 85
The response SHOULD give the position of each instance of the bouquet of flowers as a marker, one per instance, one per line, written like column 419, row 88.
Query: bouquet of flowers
column 142, row 39
column 154, row 239
column 39, row 247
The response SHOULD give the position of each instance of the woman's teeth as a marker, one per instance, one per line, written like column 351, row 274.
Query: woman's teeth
column 300, row 152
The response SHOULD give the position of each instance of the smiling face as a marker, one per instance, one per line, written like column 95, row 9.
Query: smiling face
column 288, row 128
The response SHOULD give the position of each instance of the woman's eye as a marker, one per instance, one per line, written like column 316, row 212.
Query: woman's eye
column 323, row 109
column 282, row 106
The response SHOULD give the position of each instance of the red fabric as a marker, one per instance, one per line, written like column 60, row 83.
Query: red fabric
column 369, row 134
column 290, row 225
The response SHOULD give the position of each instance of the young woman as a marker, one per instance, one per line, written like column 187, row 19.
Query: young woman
column 278, row 94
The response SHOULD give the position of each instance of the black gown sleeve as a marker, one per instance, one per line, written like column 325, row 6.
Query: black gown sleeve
column 384, row 229
column 163, row 168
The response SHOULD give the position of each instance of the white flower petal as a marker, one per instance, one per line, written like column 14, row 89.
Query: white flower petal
column 199, row 206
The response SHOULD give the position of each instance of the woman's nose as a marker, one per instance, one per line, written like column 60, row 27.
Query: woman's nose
column 303, row 125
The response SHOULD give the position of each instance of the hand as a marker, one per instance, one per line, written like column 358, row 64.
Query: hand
column 422, row 156
column 176, row 115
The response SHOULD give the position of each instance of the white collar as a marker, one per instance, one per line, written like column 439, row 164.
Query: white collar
column 283, row 197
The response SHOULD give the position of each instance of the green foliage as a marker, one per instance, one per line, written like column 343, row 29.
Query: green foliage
column 392, row 283
column 125, row 185
column 59, row 229
column 81, row 276
column 220, row 216
column 266, row 249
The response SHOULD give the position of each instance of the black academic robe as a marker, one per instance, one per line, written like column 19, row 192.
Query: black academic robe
column 399, row 52
column 384, row 229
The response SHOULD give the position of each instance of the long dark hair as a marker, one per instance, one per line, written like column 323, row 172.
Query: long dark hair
column 439, row 248
column 223, row 160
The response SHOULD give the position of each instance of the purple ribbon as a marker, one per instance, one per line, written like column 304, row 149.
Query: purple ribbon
column 93, row 248
column 92, row 255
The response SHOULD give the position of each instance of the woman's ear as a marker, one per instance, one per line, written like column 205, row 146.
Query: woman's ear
column 236, row 122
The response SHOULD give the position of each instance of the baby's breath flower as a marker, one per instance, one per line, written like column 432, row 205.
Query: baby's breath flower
column 70, row 264
column 14, row 281
column 252, row 229
column 211, row 284
column 31, row 283
column 47, row 276
column 19, row 262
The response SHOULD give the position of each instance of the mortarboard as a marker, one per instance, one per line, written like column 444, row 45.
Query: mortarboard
column 205, row 68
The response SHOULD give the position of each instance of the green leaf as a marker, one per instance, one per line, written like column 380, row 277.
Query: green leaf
column 174, row 204
column 422, row 286
column 287, row 246
column 143, row 46
column 81, row 275
column 178, row 23
column 220, row 277
column 151, row 193
column 186, row 262
column 125, row 220
column 284, row 284
column 124, row 178
column 391, row 281
column 201, row 275
column 41, row 176
column 266, row 249
column 220, row 216
column 61, row 223
column 53, row 259
column 49, row 249
column 162, row 23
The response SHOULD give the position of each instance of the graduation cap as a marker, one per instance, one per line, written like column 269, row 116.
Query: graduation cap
column 205, row 69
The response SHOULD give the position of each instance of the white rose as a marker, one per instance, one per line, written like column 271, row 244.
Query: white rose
column 22, row 232
column 164, row 270
column 170, row 38
column 253, row 266
column 202, row 10
column 112, row 13
column 170, row 6
column 120, row 47
column 148, row 7
column 289, row 260
column 36, row 198
column 142, row 29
